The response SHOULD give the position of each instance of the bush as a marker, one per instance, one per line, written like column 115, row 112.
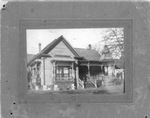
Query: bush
column 116, row 81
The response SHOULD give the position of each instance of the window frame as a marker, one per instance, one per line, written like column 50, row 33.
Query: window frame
column 54, row 97
column 62, row 73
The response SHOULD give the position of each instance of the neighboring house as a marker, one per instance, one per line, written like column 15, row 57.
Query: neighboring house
column 59, row 66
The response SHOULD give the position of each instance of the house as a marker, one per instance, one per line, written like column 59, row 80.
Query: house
column 59, row 66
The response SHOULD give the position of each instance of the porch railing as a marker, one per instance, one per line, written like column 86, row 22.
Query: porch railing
column 81, row 83
column 64, row 79
column 93, row 82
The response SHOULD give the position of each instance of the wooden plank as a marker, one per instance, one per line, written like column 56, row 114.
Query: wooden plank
column 61, row 49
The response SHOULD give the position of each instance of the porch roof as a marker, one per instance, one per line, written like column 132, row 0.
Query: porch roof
column 63, row 59
column 89, row 55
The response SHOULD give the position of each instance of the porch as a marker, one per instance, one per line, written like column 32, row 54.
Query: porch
column 63, row 74
column 93, row 73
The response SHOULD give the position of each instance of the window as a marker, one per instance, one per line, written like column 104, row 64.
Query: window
column 63, row 72
column 97, row 72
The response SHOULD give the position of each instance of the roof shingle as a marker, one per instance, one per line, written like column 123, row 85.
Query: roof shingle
column 90, row 55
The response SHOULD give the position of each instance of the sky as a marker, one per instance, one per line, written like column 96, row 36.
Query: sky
column 78, row 38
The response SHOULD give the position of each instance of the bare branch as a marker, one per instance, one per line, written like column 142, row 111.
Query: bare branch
column 114, row 39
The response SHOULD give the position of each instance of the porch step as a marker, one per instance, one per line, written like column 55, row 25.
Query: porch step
column 89, row 85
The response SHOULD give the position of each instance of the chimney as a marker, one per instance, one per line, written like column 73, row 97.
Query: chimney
column 89, row 46
column 39, row 47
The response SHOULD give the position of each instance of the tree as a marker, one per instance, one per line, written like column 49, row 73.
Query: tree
column 113, row 39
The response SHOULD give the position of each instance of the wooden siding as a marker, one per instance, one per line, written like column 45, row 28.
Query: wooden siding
column 61, row 49
column 48, row 72
column 42, row 72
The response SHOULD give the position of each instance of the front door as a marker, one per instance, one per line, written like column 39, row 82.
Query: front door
column 83, row 71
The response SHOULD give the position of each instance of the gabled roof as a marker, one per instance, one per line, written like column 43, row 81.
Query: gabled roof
column 80, row 53
column 89, row 55
column 51, row 45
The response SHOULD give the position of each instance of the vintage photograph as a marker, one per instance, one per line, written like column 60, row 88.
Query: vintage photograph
column 83, row 60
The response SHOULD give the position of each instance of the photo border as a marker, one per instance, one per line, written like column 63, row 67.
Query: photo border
column 44, row 96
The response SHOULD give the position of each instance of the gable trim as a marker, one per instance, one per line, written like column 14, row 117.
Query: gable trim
column 52, row 45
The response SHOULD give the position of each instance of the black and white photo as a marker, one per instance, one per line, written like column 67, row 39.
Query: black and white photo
column 83, row 59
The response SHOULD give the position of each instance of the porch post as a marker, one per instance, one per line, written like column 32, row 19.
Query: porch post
column 100, row 69
column 44, row 70
column 77, row 74
column 107, row 70
column 104, row 69
column 54, row 69
column 89, row 69
column 72, row 70
column 41, row 72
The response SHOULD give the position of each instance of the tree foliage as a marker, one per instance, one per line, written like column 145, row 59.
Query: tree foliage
column 114, row 39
